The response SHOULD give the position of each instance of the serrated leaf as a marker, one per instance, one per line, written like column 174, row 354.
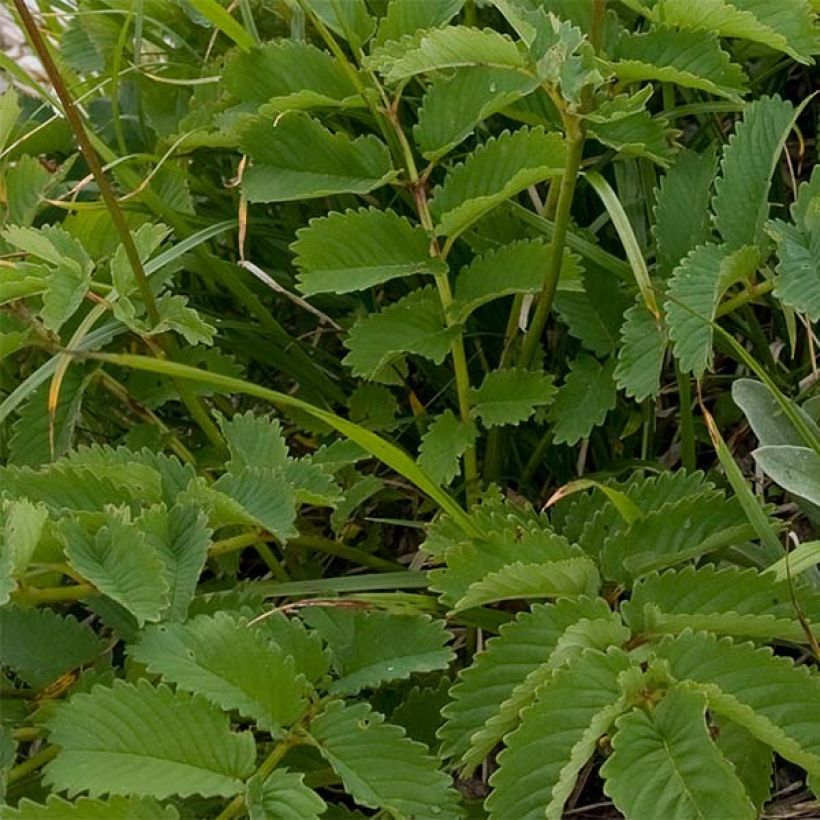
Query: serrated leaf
column 350, row 19
column 511, row 396
column 572, row 576
column 664, row 764
column 796, row 469
column 686, row 58
column 583, row 401
column 282, row 796
column 414, row 324
column 594, row 316
column 174, row 744
column 87, row 808
column 695, row 289
column 354, row 250
column 379, row 766
column 373, row 406
column 453, row 106
column 557, row 735
column 419, row 712
column 254, row 441
column 22, row 526
column 494, row 172
column 40, row 645
column 408, row 16
column 444, row 443
column 741, row 201
column 354, row 496
column 294, row 157
column 682, row 220
column 370, row 648
column 769, row 696
column 798, row 266
column 121, row 562
column 639, row 135
column 291, row 636
column 181, row 537
column 286, row 75
column 229, row 663
column 147, row 238
column 640, row 359
column 517, row 267
column 750, row 758
column 311, row 483
column 440, row 48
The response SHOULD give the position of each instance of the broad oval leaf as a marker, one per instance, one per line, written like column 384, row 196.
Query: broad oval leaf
column 796, row 469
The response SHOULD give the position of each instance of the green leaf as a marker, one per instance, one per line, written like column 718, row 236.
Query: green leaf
column 22, row 526
column 221, row 19
column 786, row 26
column 682, row 219
column 254, row 441
column 232, row 665
column 294, row 157
column 640, row 135
column 494, row 172
column 664, row 764
column 349, row 19
column 695, row 290
column 373, row 406
column 454, row 105
column 291, row 636
column 796, row 469
column 181, row 537
column 686, row 58
column 444, row 443
column 800, row 559
column 741, row 201
column 174, row 744
column 370, row 648
column 87, row 808
column 769, row 696
column 511, row 396
column 147, row 238
column 573, row 576
column 264, row 497
column 750, row 758
column 517, row 267
column 583, row 401
column 442, row 48
column 121, row 562
column 522, row 647
column 414, row 324
column 557, row 736
column 40, row 645
column 287, row 75
column 408, row 16
column 354, row 250
column 282, row 796
column 379, row 767
column 798, row 255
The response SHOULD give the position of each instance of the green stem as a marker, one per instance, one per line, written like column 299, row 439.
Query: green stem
column 31, row 765
column 53, row 595
column 687, row 427
column 25, row 734
column 749, row 295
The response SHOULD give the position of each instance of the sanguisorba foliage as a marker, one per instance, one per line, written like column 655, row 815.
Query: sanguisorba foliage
column 540, row 214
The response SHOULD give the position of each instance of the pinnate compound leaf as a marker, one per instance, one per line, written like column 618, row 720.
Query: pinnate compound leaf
column 796, row 469
column 664, row 764
column 405, row 17
column 354, row 250
column 444, row 443
column 773, row 699
column 741, row 201
column 572, row 576
column 121, row 562
column 798, row 250
column 380, row 767
column 583, row 401
column 511, row 396
column 232, row 665
column 369, row 648
column 440, row 48
column 522, row 647
column 640, row 359
column 494, row 172
column 22, row 525
column 682, row 220
column 557, row 736
column 294, row 157
column 146, row 741
column 687, row 58
column 40, row 645
column 87, row 808
column 453, row 106
column 254, row 441
column 414, row 324
column 695, row 289
column 282, row 796
column 287, row 75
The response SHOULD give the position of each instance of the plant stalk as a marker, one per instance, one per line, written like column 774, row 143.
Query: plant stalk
column 31, row 765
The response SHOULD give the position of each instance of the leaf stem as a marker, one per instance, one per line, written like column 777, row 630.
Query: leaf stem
column 31, row 765
column 53, row 595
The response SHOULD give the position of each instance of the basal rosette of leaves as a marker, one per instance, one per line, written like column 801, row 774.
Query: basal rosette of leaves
column 307, row 308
